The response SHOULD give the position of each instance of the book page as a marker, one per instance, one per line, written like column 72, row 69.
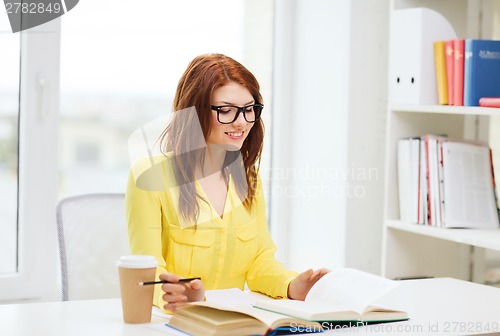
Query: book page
column 350, row 289
column 225, row 297
column 311, row 311
column 230, row 297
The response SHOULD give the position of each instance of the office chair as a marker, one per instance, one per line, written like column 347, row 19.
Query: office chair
column 92, row 233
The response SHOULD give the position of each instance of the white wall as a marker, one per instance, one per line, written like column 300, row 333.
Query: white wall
column 368, row 73
column 310, row 131
column 329, row 116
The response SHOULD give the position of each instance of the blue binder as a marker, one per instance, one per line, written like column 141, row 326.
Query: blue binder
column 481, row 70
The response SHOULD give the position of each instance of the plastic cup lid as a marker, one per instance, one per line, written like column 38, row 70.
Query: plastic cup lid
column 137, row 261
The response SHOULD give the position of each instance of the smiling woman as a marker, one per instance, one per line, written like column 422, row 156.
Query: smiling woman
column 207, row 218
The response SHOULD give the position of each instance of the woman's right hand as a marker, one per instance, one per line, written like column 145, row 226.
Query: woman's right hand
column 176, row 293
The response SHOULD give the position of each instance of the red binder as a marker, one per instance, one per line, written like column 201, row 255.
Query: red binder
column 458, row 72
column 448, row 45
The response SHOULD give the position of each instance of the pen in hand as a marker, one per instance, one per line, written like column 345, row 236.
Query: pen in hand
column 165, row 281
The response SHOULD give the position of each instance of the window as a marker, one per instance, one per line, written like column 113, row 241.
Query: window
column 9, row 118
column 29, row 86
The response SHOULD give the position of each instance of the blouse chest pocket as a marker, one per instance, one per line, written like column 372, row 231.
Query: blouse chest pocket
column 246, row 248
column 191, row 251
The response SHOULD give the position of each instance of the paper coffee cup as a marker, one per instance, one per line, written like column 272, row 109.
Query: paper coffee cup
column 137, row 301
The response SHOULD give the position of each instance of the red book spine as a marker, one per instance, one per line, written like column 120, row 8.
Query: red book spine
column 489, row 102
column 419, row 220
column 448, row 45
column 493, row 181
column 430, row 213
column 458, row 73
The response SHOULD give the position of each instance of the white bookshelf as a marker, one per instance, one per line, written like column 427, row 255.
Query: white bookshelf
column 412, row 250
column 445, row 109
column 489, row 239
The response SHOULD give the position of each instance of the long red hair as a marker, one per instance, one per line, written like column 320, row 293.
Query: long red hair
column 203, row 75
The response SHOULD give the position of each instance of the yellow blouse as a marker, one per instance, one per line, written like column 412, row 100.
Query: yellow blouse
column 224, row 251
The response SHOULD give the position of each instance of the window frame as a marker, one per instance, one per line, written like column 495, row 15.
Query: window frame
column 37, row 167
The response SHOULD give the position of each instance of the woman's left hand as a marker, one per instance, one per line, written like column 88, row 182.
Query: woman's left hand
column 300, row 286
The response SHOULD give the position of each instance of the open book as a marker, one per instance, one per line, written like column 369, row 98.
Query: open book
column 343, row 295
column 211, row 318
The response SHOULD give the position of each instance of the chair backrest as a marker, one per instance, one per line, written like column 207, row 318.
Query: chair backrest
column 92, row 234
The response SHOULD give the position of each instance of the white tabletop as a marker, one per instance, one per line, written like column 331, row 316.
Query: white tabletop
column 85, row 317
column 435, row 306
column 442, row 306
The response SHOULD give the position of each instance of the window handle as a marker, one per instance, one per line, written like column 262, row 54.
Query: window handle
column 43, row 88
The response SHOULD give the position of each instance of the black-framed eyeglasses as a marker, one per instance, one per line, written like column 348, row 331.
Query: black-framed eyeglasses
column 227, row 114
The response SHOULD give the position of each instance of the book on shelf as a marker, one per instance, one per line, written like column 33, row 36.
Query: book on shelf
column 409, row 179
column 458, row 72
column 495, row 195
column 432, row 179
column 469, row 194
column 343, row 295
column 440, row 172
column 449, row 69
column 456, row 188
column 449, row 66
column 481, row 70
column 489, row 102
column 423, row 204
column 440, row 66
column 413, row 180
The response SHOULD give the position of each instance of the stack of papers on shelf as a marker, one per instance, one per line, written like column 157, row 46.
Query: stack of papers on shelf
column 455, row 187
